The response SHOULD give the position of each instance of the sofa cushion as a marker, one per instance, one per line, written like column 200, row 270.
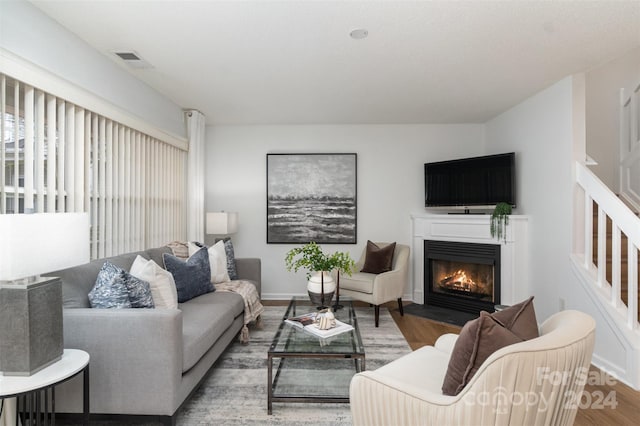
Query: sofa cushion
column 192, row 277
column 414, row 372
column 163, row 287
column 378, row 259
column 204, row 319
column 110, row 290
column 358, row 281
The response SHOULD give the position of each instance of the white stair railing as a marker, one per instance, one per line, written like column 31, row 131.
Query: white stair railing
column 623, row 221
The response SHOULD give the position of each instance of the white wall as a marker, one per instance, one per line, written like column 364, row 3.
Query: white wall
column 30, row 34
column 603, row 86
column 541, row 132
column 390, row 181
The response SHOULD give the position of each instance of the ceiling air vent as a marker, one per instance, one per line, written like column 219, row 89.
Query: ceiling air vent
column 132, row 59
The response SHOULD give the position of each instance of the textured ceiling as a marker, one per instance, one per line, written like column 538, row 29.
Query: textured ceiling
column 288, row 62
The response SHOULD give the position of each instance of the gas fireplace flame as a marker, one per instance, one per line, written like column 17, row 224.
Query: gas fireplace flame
column 458, row 281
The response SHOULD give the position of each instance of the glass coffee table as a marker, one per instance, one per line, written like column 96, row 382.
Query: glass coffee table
column 309, row 368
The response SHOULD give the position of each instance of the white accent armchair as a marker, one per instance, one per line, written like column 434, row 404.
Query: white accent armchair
column 377, row 289
column 535, row 382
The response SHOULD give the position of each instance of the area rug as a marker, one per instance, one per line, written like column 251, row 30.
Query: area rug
column 235, row 392
column 439, row 314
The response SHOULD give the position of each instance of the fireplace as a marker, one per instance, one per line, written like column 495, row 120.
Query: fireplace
column 462, row 276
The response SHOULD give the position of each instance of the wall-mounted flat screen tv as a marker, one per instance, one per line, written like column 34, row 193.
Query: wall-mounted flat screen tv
column 471, row 182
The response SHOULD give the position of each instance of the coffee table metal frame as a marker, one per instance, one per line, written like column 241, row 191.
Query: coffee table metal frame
column 291, row 342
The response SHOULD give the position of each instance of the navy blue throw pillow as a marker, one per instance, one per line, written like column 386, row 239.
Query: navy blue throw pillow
column 192, row 277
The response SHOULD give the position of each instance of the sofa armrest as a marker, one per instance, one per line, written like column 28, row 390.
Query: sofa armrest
column 446, row 342
column 139, row 350
column 250, row 269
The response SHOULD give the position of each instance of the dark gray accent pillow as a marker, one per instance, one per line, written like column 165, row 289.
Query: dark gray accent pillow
column 378, row 260
column 110, row 290
column 192, row 277
column 231, row 259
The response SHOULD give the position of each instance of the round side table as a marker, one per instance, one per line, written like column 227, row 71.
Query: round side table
column 36, row 393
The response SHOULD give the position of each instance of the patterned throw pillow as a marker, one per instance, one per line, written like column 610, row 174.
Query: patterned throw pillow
column 139, row 291
column 192, row 277
column 111, row 286
column 231, row 259
column 110, row 290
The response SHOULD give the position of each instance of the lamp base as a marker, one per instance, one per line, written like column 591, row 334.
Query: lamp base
column 30, row 326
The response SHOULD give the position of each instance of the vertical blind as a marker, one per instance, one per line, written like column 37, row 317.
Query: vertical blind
column 59, row 157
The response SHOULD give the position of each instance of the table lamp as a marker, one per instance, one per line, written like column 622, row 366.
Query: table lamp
column 222, row 223
column 31, row 305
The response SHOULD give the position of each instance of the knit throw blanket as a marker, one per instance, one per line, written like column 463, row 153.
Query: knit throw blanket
column 252, row 306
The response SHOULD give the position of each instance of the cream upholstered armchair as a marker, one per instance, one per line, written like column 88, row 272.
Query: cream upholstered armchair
column 535, row 382
column 379, row 288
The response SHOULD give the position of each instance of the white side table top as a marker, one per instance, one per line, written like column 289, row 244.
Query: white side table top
column 72, row 362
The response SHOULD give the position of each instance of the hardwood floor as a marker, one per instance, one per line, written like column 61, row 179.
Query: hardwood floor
column 420, row 332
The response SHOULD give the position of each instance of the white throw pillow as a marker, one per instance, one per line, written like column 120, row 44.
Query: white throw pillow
column 163, row 287
column 217, row 261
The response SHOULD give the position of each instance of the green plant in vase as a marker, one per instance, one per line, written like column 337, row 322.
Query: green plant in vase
column 319, row 265
column 500, row 220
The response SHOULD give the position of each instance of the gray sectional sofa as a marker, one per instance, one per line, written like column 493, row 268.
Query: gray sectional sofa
column 145, row 361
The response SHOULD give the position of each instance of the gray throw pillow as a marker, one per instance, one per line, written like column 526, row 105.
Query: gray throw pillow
column 231, row 259
column 192, row 277
column 110, row 290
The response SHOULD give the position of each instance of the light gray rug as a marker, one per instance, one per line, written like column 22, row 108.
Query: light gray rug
column 235, row 392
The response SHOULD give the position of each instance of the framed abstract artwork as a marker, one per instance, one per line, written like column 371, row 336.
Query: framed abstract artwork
column 311, row 197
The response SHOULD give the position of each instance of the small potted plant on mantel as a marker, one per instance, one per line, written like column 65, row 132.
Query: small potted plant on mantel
column 321, row 285
column 500, row 220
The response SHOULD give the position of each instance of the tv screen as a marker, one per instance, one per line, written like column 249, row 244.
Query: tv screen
column 477, row 181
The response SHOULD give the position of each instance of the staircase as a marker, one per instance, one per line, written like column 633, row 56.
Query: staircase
column 608, row 263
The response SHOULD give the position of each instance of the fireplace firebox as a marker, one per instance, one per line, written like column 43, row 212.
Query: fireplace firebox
column 462, row 276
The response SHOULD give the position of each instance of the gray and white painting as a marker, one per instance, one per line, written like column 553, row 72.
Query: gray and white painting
column 311, row 197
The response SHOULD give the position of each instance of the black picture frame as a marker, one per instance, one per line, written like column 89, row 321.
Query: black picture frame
column 312, row 197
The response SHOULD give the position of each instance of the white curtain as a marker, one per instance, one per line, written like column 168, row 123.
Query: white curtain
column 195, row 176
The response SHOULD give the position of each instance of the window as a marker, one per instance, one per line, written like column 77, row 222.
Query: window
column 59, row 157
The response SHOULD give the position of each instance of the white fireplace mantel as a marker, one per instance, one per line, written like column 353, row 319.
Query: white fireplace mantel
column 470, row 228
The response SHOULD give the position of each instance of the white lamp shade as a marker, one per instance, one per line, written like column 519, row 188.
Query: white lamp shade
column 34, row 244
column 222, row 223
